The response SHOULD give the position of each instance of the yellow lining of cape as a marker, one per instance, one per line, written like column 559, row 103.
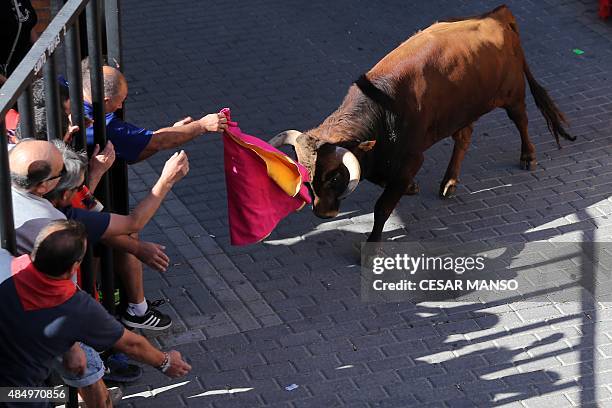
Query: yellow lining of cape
column 281, row 169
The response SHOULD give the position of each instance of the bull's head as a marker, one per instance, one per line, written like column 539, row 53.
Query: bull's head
column 335, row 171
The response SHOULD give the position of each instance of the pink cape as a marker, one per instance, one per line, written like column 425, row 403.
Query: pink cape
column 264, row 185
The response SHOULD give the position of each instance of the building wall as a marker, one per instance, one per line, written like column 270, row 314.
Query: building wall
column 43, row 11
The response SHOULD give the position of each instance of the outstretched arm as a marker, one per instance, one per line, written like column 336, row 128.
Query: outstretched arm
column 141, row 350
column 175, row 169
column 149, row 253
column 171, row 137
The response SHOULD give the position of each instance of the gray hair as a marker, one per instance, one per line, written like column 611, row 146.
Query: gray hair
column 29, row 181
column 75, row 164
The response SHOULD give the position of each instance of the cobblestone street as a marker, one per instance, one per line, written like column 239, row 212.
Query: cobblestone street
column 255, row 320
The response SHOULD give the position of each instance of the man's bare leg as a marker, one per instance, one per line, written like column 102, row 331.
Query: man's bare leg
column 96, row 395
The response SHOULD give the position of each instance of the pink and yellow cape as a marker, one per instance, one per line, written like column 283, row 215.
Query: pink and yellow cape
column 264, row 185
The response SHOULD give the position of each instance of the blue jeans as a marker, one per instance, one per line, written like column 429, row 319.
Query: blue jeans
column 93, row 372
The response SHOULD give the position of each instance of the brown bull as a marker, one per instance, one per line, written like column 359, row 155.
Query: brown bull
column 435, row 84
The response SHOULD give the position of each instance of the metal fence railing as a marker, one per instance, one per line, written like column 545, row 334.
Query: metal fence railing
column 43, row 58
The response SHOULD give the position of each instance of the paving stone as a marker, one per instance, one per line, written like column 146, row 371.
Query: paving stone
column 286, row 69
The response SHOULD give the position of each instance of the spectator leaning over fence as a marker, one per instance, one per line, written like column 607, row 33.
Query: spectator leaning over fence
column 36, row 168
column 42, row 315
column 119, row 232
column 133, row 143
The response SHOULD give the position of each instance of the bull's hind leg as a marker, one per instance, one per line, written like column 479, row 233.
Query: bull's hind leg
column 392, row 194
column 462, row 138
column 518, row 114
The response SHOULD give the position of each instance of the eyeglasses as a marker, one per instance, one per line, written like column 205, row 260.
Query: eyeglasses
column 60, row 175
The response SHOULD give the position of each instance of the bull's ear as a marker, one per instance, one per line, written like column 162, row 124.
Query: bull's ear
column 366, row 146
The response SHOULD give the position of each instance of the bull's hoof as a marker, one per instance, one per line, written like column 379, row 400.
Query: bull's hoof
column 448, row 189
column 530, row 165
column 412, row 189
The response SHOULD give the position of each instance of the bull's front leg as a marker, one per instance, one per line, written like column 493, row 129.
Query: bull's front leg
column 462, row 140
column 392, row 194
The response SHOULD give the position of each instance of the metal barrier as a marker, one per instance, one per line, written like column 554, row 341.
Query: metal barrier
column 65, row 28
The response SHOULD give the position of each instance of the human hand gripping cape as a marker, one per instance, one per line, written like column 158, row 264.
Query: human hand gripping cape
column 264, row 185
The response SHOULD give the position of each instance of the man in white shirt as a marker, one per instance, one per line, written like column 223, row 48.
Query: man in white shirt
column 36, row 168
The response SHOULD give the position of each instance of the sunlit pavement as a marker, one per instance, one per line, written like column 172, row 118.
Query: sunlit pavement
column 282, row 323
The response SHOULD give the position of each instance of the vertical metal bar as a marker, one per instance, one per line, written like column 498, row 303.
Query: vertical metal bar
column 56, row 6
column 79, row 141
column 113, row 37
column 25, row 105
column 75, row 84
column 52, row 105
column 7, row 225
column 118, row 173
column 73, row 397
column 97, row 94
column 95, row 69
column 113, row 32
column 87, row 277
column 60, row 54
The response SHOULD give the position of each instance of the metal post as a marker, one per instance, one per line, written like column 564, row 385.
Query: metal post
column 97, row 94
column 52, row 105
column 26, row 113
column 113, row 32
column 60, row 55
column 118, row 173
column 113, row 39
column 56, row 6
column 95, row 69
column 73, row 397
column 86, row 270
column 75, row 84
column 7, row 225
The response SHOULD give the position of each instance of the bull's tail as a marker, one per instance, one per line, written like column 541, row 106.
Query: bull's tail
column 554, row 117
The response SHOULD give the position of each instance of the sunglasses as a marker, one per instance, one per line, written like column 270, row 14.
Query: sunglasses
column 61, row 174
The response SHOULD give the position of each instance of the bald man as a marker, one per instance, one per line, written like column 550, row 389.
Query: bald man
column 36, row 168
column 133, row 143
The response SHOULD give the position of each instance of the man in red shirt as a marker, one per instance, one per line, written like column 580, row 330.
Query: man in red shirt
column 43, row 315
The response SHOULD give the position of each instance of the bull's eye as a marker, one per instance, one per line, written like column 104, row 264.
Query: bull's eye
column 335, row 184
column 334, row 180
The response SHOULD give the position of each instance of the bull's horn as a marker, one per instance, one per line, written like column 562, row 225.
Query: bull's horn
column 288, row 137
column 353, row 167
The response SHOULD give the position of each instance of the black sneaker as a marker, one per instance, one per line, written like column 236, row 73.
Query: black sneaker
column 117, row 369
column 153, row 319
